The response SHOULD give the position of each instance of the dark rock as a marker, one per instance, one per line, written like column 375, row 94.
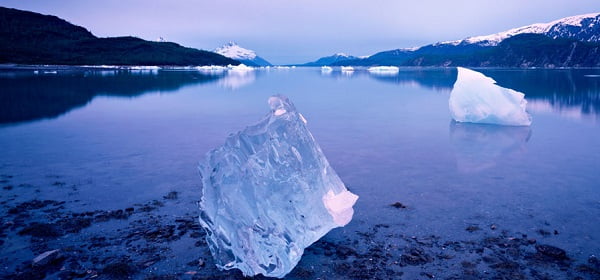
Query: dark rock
column 467, row 264
column 42, row 230
column 118, row 270
column 33, row 205
column 398, row 205
column 415, row 256
column 302, row 273
column 342, row 268
column 543, row 232
column 344, row 252
column 75, row 225
column 505, row 265
column 28, row 275
column 171, row 195
column 8, row 188
column 472, row 228
column 551, row 252
column 161, row 234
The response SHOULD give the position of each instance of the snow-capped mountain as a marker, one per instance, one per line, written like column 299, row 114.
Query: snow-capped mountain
column 245, row 56
column 328, row 60
column 581, row 28
column 567, row 42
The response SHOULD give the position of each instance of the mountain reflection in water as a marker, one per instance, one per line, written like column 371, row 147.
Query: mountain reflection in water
column 29, row 95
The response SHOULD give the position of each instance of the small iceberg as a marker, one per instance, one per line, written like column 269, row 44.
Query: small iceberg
column 326, row 69
column 475, row 98
column 239, row 68
column 384, row 70
column 141, row 67
column 211, row 69
column 269, row 193
column 347, row 69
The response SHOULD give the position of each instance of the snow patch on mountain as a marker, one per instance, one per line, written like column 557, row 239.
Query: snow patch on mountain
column 246, row 56
column 234, row 51
column 562, row 28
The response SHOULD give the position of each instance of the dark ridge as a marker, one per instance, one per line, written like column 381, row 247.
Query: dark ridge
column 32, row 38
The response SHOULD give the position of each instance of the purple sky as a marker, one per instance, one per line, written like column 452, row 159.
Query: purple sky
column 301, row 31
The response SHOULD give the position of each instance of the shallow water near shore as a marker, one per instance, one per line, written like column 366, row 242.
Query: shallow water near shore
column 102, row 165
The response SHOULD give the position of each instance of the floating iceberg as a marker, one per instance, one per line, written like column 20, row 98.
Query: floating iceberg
column 476, row 98
column 211, row 69
column 326, row 69
column 347, row 69
column 143, row 67
column 268, row 193
column 239, row 68
column 384, row 70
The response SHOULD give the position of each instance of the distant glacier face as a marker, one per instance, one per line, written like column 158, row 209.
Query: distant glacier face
column 268, row 193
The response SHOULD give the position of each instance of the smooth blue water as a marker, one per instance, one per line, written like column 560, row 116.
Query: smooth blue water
column 122, row 138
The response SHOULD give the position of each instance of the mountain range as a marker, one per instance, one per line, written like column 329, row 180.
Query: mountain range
column 329, row 60
column 32, row 38
column 245, row 56
column 568, row 42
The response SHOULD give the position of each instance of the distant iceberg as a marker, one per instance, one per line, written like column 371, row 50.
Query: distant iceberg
column 268, row 193
column 347, row 69
column 239, row 68
column 476, row 98
column 144, row 68
column 326, row 69
column 211, row 69
column 384, row 70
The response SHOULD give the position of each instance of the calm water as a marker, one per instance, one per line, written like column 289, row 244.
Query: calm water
column 116, row 138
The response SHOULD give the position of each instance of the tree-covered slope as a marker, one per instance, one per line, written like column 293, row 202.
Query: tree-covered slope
column 32, row 38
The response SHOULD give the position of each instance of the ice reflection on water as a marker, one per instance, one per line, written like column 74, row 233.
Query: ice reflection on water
column 480, row 146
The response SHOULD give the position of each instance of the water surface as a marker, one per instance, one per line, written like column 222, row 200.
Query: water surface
column 103, row 140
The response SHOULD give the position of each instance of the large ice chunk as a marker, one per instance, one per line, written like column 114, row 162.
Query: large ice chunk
column 268, row 193
column 476, row 98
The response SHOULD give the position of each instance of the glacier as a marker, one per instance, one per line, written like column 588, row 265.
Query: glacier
column 268, row 193
column 475, row 98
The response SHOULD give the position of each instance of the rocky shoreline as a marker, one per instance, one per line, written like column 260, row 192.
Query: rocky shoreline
column 46, row 239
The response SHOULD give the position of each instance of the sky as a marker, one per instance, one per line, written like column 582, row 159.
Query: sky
column 286, row 32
